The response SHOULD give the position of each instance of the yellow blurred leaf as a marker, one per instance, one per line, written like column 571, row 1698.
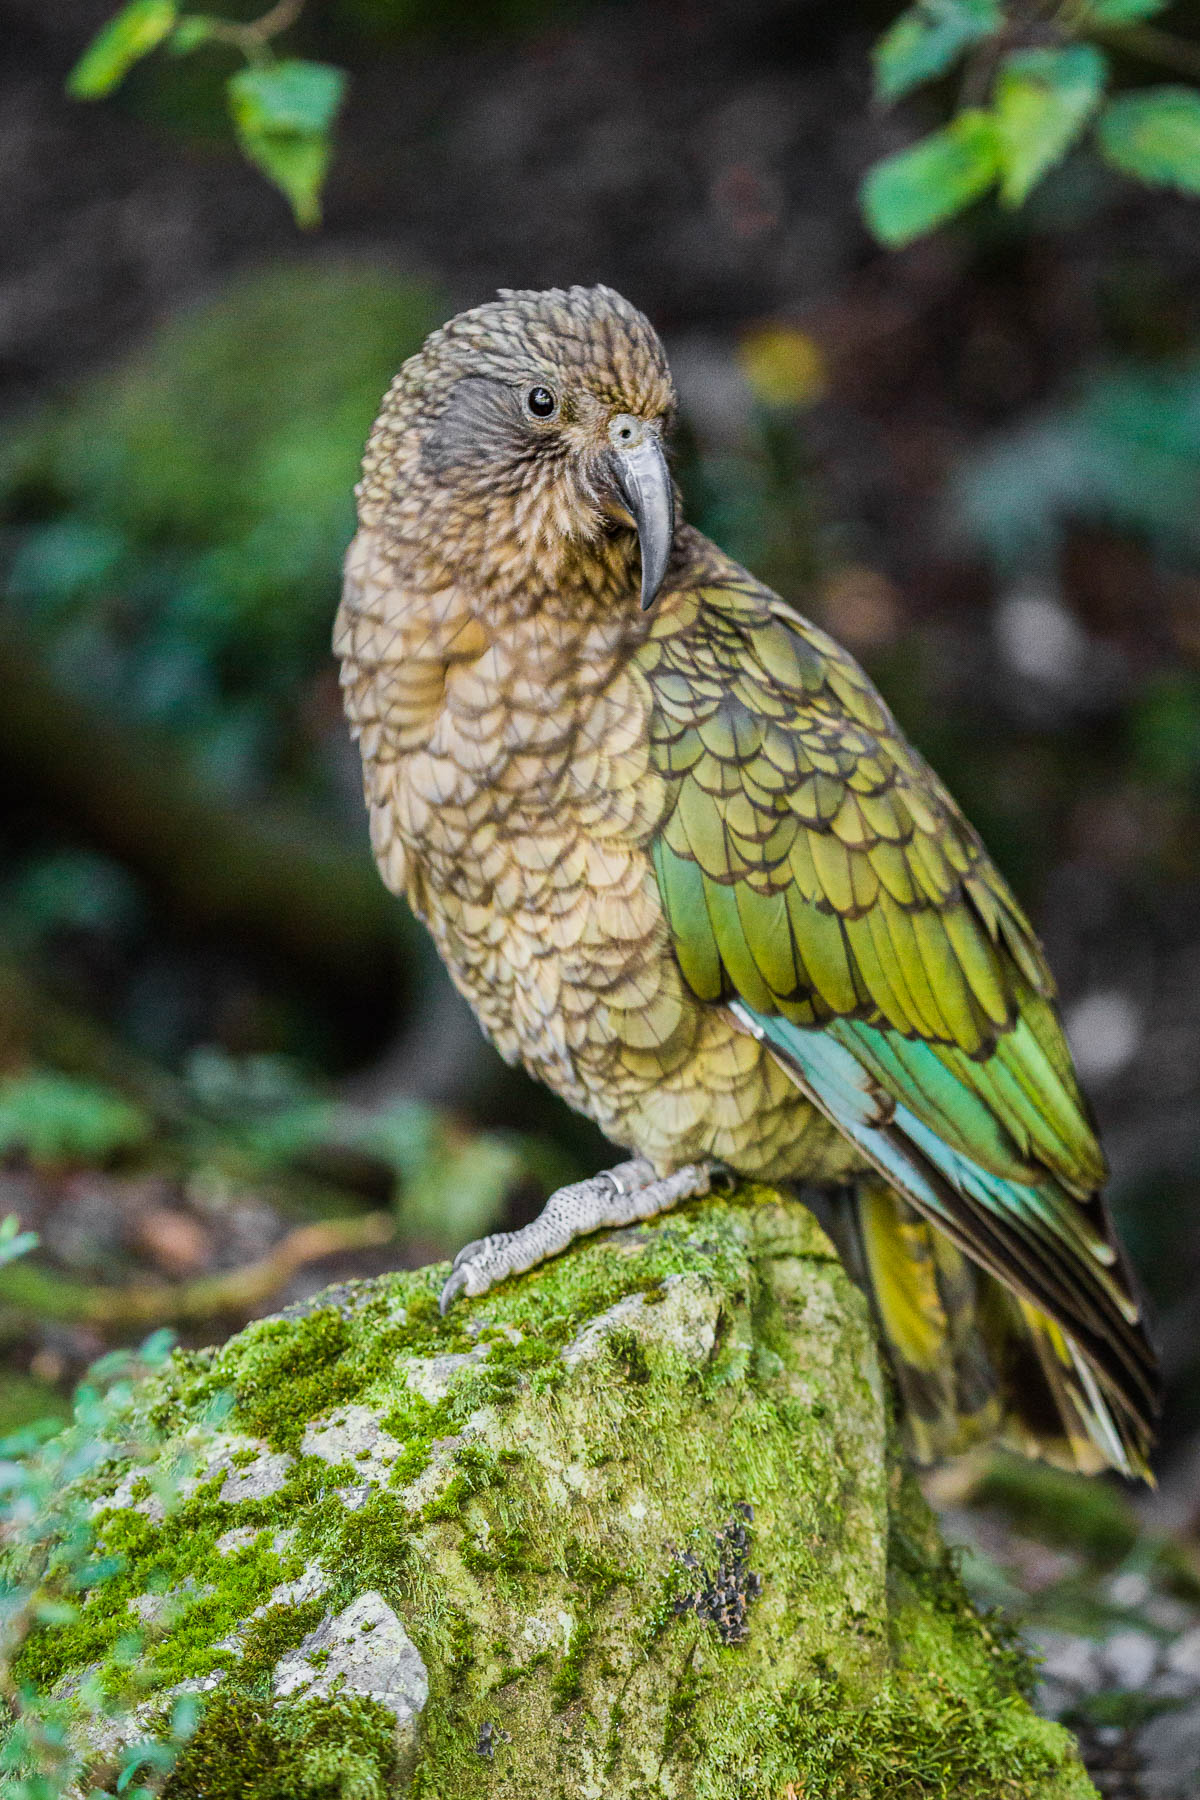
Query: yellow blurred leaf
column 784, row 366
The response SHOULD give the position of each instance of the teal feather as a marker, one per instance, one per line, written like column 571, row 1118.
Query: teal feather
column 1024, row 1228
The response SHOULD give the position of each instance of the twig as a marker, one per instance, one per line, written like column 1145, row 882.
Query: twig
column 234, row 1291
column 253, row 37
column 1153, row 45
column 269, row 871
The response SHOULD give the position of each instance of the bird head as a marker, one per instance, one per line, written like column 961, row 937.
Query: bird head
column 524, row 444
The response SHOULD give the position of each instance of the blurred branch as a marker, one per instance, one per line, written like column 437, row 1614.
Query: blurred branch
column 268, row 872
column 1152, row 44
column 31, row 1293
column 251, row 36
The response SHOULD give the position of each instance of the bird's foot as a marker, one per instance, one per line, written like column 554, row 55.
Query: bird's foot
column 617, row 1196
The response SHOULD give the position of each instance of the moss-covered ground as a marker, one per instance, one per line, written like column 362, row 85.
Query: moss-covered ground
column 646, row 1526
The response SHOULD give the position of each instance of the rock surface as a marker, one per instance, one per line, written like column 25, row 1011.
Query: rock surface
column 635, row 1525
column 364, row 1650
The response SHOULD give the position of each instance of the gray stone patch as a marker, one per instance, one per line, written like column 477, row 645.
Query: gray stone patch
column 310, row 1584
column 684, row 1320
column 433, row 1376
column 202, row 1461
column 239, row 1537
column 252, row 1480
column 1070, row 1667
column 1183, row 1657
column 100, row 1739
column 153, row 1609
column 354, row 1435
column 363, row 1650
column 349, row 1297
column 591, row 1340
column 1129, row 1589
column 510, row 1332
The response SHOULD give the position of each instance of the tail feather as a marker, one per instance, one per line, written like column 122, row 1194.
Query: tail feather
column 975, row 1362
column 1017, row 1280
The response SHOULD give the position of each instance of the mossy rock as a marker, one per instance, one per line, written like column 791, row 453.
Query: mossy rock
column 634, row 1525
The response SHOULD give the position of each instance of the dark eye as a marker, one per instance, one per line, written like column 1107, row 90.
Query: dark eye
column 541, row 403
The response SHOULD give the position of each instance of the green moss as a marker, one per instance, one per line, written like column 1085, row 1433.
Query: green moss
column 566, row 1684
column 316, row 1750
column 211, row 1595
column 475, row 1470
column 924, row 1575
column 681, row 1708
column 275, row 1632
column 289, row 1373
column 926, row 1740
column 375, row 1542
column 503, row 1552
column 538, row 1561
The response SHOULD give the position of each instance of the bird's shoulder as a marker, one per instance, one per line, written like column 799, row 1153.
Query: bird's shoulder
column 758, row 707
column 802, row 820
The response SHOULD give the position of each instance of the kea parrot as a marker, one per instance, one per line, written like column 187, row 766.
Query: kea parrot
column 680, row 859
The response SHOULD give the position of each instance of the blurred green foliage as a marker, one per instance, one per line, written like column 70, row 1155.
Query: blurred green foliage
column 283, row 114
column 1124, row 451
column 174, row 531
column 1058, row 1507
column 251, row 1118
column 173, row 535
column 1033, row 83
column 55, row 1120
column 1122, row 455
column 50, row 1560
column 283, row 109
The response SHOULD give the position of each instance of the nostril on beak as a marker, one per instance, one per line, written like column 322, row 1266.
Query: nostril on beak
column 625, row 432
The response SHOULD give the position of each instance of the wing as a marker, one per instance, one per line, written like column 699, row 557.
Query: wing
column 820, row 882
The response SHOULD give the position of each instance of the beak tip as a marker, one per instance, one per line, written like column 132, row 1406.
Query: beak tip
column 644, row 483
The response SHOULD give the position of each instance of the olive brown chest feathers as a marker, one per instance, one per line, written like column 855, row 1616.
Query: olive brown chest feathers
column 675, row 851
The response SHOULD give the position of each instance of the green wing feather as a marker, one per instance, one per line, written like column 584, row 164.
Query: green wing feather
column 818, row 878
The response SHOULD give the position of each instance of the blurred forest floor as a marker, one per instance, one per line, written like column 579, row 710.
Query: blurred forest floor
column 230, row 1068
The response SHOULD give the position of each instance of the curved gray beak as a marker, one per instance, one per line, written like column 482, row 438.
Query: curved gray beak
column 643, row 481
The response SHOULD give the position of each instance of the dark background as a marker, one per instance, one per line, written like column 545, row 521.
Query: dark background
column 976, row 461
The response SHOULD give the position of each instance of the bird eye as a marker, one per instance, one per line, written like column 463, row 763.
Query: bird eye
column 541, row 403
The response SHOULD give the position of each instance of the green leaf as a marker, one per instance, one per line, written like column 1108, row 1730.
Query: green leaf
column 136, row 30
column 296, row 164
column 13, row 1241
column 927, row 39
column 1155, row 134
column 908, row 194
column 282, row 114
column 1122, row 12
column 57, row 1119
column 1042, row 102
column 190, row 33
column 287, row 97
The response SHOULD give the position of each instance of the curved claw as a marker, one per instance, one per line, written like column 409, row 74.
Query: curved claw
column 455, row 1283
